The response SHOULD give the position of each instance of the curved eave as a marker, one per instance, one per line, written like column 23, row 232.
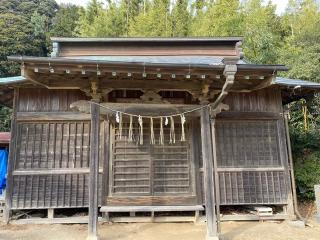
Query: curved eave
column 294, row 89
column 61, row 60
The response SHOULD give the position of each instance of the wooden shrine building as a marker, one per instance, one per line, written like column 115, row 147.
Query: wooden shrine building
column 148, row 125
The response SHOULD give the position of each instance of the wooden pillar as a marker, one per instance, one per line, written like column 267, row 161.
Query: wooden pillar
column 286, row 155
column 94, row 171
column 215, row 172
column 11, row 158
column 206, row 140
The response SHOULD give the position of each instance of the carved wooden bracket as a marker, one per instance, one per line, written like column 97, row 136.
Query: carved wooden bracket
column 221, row 107
column 152, row 96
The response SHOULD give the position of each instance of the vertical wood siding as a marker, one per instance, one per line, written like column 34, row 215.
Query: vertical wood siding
column 265, row 100
column 44, row 152
column 51, row 162
column 147, row 169
column 45, row 100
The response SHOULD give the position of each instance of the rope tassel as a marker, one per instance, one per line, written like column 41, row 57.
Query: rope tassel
column 172, row 133
column 141, row 130
column 152, row 139
column 130, row 133
column 183, row 120
column 161, row 139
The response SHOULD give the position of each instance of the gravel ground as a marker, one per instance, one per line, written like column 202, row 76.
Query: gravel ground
column 162, row 231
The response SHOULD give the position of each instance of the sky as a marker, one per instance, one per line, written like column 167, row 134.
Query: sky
column 281, row 4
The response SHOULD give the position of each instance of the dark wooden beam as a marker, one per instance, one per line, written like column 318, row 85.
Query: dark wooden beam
column 52, row 116
column 11, row 159
column 206, row 140
column 94, row 172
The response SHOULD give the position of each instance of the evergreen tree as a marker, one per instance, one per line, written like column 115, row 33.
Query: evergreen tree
column 301, row 51
column 65, row 21
column 154, row 22
column 217, row 18
column 261, row 32
column 132, row 9
column 24, row 29
column 180, row 18
column 96, row 21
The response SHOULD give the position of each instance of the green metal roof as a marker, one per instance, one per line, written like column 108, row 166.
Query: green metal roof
column 12, row 80
column 296, row 83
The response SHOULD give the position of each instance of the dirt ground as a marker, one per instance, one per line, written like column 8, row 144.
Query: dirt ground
column 163, row 231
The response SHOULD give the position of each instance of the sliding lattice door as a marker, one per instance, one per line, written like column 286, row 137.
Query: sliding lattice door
column 150, row 170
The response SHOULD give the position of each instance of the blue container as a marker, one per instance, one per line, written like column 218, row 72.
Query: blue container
column 3, row 169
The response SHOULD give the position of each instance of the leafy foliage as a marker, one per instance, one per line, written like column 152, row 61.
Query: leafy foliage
column 65, row 21
column 5, row 119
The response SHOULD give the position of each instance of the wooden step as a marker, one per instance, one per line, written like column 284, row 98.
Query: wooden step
column 189, row 208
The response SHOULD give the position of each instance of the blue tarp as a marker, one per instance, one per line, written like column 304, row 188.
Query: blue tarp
column 3, row 168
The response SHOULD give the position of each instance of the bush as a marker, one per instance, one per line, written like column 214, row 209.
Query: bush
column 307, row 174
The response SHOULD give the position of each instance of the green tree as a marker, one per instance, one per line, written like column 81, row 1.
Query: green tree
column 65, row 21
column 181, row 19
column 23, row 42
column 96, row 21
column 23, row 30
column 217, row 18
column 261, row 31
column 301, row 49
column 154, row 22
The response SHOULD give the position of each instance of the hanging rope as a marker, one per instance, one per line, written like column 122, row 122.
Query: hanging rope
column 161, row 139
column 172, row 133
column 164, row 119
column 183, row 120
column 148, row 116
column 152, row 139
column 141, row 130
column 130, row 133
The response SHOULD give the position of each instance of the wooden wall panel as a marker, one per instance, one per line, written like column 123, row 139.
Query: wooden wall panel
column 51, row 191
column 252, row 187
column 45, row 100
column 250, row 143
column 265, row 100
column 145, row 49
column 52, row 145
column 51, row 165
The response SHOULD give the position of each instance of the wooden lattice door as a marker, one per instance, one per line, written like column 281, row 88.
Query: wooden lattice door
column 151, row 171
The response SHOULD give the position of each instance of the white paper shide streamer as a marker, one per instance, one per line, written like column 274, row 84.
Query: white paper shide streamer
column 164, row 121
column 152, row 139
column 183, row 135
column 130, row 132
column 141, row 130
column 161, row 138
column 172, row 133
column 119, row 121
